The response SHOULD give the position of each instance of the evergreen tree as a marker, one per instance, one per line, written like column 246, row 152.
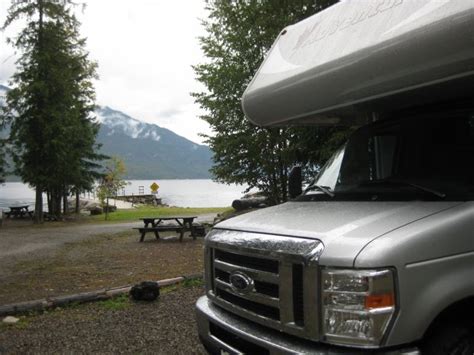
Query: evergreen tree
column 50, row 104
column 239, row 35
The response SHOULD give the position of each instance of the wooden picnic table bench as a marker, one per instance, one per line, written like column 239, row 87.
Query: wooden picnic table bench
column 181, row 220
column 19, row 212
column 163, row 228
column 184, row 224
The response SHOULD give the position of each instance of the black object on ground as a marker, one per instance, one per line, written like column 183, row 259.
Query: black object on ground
column 245, row 203
column 145, row 291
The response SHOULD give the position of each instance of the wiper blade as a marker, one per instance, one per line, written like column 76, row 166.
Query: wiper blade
column 424, row 188
column 325, row 189
column 407, row 183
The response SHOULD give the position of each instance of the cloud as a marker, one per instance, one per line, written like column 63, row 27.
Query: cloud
column 169, row 113
column 145, row 50
column 7, row 67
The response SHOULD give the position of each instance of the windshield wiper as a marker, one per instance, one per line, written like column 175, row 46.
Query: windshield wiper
column 407, row 183
column 326, row 189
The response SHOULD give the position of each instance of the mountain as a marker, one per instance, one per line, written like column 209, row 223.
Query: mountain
column 149, row 151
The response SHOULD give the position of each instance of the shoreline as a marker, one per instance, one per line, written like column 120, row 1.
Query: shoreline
column 186, row 193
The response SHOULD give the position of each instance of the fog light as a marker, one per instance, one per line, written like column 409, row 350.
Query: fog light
column 357, row 306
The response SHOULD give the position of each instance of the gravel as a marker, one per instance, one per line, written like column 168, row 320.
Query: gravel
column 166, row 326
column 51, row 261
column 29, row 241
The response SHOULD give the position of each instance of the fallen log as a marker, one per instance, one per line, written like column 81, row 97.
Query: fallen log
column 84, row 297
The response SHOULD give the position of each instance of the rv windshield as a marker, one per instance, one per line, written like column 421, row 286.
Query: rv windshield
column 422, row 158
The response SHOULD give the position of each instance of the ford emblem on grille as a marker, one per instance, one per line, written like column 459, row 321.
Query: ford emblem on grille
column 240, row 282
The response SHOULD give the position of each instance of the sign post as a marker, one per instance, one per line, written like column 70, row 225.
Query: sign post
column 154, row 188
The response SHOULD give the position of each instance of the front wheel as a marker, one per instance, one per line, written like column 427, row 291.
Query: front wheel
column 450, row 339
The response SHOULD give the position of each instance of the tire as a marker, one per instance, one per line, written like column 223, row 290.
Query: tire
column 450, row 339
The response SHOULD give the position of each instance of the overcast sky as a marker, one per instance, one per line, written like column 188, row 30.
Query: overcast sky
column 145, row 49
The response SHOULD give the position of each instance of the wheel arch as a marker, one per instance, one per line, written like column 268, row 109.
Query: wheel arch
column 461, row 310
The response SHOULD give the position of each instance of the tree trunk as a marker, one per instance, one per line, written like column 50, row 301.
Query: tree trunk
column 56, row 197
column 57, row 204
column 39, row 189
column 107, row 209
column 65, row 203
column 38, row 205
column 78, row 201
column 49, row 200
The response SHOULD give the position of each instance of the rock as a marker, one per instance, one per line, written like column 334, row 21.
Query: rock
column 10, row 320
column 84, row 205
column 145, row 291
column 110, row 208
column 96, row 210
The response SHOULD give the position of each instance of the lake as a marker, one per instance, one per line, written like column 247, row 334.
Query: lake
column 181, row 193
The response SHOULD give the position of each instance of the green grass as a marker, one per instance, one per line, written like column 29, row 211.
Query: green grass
column 197, row 282
column 151, row 211
column 167, row 289
column 21, row 324
column 116, row 303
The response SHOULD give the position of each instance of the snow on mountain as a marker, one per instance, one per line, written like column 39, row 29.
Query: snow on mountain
column 119, row 122
column 148, row 150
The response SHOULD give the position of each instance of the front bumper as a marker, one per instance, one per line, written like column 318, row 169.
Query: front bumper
column 222, row 332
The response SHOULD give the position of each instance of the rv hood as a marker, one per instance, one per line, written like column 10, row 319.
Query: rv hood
column 344, row 228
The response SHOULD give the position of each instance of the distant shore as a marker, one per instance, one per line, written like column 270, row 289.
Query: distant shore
column 188, row 193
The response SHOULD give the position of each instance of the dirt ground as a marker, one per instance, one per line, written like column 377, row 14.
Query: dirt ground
column 120, row 326
column 46, row 261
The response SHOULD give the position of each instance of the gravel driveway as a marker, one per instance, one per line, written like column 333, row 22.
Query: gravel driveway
column 166, row 326
column 48, row 261
column 39, row 241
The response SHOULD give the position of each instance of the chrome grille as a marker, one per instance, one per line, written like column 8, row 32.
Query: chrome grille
column 264, row 299
column 284, row 274
column 266, row 265
column 298, row 295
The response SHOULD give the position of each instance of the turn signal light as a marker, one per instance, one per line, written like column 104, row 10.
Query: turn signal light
column 379, row 301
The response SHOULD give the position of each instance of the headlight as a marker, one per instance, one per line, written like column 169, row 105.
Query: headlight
column 357, row 306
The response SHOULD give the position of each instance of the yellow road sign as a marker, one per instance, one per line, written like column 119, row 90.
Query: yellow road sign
column 154, row 187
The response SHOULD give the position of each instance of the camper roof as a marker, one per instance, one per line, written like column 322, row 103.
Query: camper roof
column 324, row 69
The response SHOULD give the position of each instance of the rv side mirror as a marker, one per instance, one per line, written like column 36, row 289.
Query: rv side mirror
column 295, row 182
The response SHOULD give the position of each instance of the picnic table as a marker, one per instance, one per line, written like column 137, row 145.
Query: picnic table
column 19, row 212
column 155, row 225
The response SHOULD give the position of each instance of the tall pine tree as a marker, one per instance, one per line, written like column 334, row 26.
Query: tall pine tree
column 50, row 105
column 239, row 35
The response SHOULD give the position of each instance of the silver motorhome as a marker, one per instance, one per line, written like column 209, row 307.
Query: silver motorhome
column 377, row 254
